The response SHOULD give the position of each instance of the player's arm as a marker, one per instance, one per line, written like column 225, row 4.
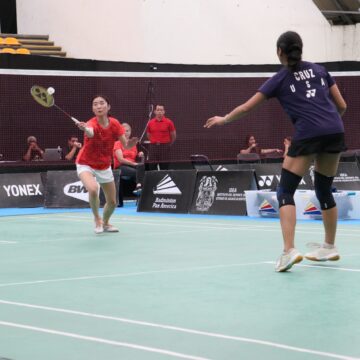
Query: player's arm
column 173, row 136
column 338, row 99
column 240, row 111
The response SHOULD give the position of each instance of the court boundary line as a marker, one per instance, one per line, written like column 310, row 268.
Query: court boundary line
column 218, row 226
column 138, row 273
column 183, row 330
column 323, row 267
column 102, row 340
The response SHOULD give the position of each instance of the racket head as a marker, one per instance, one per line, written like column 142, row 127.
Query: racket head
column 41, row 96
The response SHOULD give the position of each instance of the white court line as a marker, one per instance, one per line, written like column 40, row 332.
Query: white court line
column 198, row 224
column 183, row 330
column 323, row 267
column 102, row 341
column 140, row 273
column 7, row 242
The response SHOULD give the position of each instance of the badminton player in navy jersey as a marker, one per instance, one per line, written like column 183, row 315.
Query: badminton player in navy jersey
column 311, row 98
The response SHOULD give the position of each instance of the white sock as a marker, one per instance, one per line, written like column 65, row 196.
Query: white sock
column 328, row 246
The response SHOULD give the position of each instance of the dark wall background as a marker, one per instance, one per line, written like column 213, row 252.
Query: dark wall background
column 188, row 101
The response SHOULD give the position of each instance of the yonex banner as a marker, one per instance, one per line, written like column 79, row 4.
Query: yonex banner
column 167, row 191
column 347, row 177
column 268, row 177
column 21, row 190
column 65, row 190
column 222, row 192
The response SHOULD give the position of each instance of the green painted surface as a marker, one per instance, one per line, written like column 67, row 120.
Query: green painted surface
column 211, row 275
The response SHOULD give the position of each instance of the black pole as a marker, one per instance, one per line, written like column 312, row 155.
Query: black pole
column 8, row 20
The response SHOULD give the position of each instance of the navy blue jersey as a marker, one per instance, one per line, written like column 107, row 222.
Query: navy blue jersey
column 304, row 95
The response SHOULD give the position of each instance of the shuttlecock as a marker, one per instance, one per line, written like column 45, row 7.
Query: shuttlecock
column 50, row 90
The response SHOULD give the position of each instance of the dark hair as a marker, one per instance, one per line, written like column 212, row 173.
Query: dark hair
column 248, row 138
column 159, row 104
column 291, row 44
column 102, row 96
column 255, row 149
column 72, row 136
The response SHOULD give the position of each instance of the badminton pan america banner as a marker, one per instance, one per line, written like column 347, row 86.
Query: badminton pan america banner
column 222, row 192
column 167, row 191
column 21, row 190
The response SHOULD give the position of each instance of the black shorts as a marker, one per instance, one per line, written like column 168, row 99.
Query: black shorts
column 333, row 144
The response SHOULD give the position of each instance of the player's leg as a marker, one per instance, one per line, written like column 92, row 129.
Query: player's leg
column 110, row 205
column 293, row 170
column 89, row 181
column 325, row 169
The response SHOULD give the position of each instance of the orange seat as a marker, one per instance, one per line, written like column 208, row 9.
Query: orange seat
column 8, row 51
column 1, row 41
column 23, row 51
column 11, row 41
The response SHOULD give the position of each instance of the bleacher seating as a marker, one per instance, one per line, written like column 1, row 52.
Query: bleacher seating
column 29, row 44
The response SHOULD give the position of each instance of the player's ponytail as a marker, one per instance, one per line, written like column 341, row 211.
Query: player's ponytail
column 291, row 45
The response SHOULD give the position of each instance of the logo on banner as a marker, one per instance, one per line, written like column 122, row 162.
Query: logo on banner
column 267, row 180
column 77, row 190
column 311, row 209
column 22, row 190
column 206, row 194
column 166, row 186
column 221, row 168
column 266, row 208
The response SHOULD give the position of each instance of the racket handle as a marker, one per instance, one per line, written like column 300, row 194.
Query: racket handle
column 76, row 121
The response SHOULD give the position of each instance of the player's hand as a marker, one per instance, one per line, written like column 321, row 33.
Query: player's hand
column 216, row 120
column 81, row 125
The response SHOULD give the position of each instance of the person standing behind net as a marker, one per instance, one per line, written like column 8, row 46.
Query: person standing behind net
column 161, row 133
column 93, row 162
column 315, row 105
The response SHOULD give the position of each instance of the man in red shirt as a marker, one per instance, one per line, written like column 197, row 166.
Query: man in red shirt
column 162, row 134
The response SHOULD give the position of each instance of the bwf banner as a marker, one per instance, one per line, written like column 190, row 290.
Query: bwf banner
column 222, row 192
column 167, row 191
column 21, row 190
column 65, row 190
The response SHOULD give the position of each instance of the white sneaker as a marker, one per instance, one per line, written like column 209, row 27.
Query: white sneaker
column 110, row 228
column 98, row 229
column 287, row 260
column 322, row 253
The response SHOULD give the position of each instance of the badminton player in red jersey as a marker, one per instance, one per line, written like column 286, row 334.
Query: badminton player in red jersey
column 312, row 100
column 93, row 162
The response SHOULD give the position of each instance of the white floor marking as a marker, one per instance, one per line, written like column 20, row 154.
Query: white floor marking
column 102, row 341
column 140, row 273
column 325, row 266
column 183, row 330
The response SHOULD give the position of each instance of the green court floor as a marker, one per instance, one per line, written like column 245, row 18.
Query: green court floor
column 168, row 287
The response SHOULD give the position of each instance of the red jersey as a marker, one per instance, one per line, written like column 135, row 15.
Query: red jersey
column 97, row 151
column 128, row 154
column 159, row 130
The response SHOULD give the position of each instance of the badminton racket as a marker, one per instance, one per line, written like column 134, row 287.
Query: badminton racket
column 45, row 97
